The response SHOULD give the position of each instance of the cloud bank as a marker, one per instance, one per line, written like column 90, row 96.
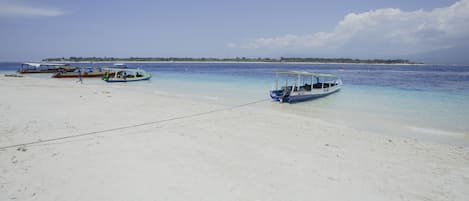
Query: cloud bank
column 21, row 9
column 381, row 32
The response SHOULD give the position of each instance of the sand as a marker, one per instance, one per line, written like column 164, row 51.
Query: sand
column 196, row 150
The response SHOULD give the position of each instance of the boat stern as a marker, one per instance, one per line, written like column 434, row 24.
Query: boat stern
column 276, row 95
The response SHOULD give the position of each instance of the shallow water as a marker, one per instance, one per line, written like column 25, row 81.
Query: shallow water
column 416, row 101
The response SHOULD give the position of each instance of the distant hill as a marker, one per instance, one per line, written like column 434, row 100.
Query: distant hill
column 449, row 56
column 236, row 59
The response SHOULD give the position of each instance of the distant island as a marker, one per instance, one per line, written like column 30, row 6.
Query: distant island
column 236, row 59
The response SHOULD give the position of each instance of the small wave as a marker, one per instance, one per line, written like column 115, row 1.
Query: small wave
column 433, row 131
column 212, row 97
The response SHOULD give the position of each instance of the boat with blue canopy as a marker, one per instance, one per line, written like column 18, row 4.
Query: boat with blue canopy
column 296, row 86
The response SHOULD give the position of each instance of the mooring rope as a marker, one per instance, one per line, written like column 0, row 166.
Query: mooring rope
column 130, row 126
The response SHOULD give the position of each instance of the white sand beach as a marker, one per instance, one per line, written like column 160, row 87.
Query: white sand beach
column 196, row 150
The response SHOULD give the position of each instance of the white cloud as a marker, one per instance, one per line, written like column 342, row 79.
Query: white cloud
column 381, row 32
column 230, row 44
column 10, row 8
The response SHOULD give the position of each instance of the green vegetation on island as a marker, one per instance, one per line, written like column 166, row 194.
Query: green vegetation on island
column 236, row 59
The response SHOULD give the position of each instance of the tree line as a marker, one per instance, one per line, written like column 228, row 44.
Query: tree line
column 235, row 59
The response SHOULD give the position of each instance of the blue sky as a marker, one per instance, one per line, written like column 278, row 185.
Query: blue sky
column 32, row 30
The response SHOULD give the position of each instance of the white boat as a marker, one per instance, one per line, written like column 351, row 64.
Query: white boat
column 295, row 86
column 126, row 75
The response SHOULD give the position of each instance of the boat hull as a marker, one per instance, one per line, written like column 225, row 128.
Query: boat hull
column 53, row 70
column 280, row 96
column 128, row 79
column 75, row 75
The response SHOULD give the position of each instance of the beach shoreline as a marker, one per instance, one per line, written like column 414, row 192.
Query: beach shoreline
column 185, row 149
column 232, row 62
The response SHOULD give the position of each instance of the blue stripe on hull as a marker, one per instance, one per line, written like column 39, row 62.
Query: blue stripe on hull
column 293, row 99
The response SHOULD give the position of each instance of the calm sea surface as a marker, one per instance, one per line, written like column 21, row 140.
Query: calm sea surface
column 417, row 101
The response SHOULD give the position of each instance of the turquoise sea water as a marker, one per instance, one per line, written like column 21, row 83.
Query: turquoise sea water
column 423, row 102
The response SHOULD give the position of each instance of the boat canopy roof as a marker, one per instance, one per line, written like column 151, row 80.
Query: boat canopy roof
column 120, row 65
column 125, row 69
column 288, row 72
column 117, row 66
column 44, row 64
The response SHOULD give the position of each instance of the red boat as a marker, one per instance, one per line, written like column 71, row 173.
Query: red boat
column 81, row 72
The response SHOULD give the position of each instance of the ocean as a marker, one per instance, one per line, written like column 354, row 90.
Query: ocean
column 421, row 102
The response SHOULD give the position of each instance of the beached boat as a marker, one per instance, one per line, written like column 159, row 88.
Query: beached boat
column 45, row 68
column 126, row 75
column 303, row 86
column 81, row 72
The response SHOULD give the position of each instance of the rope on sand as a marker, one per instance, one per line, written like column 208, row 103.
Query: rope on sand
column 130, row 126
